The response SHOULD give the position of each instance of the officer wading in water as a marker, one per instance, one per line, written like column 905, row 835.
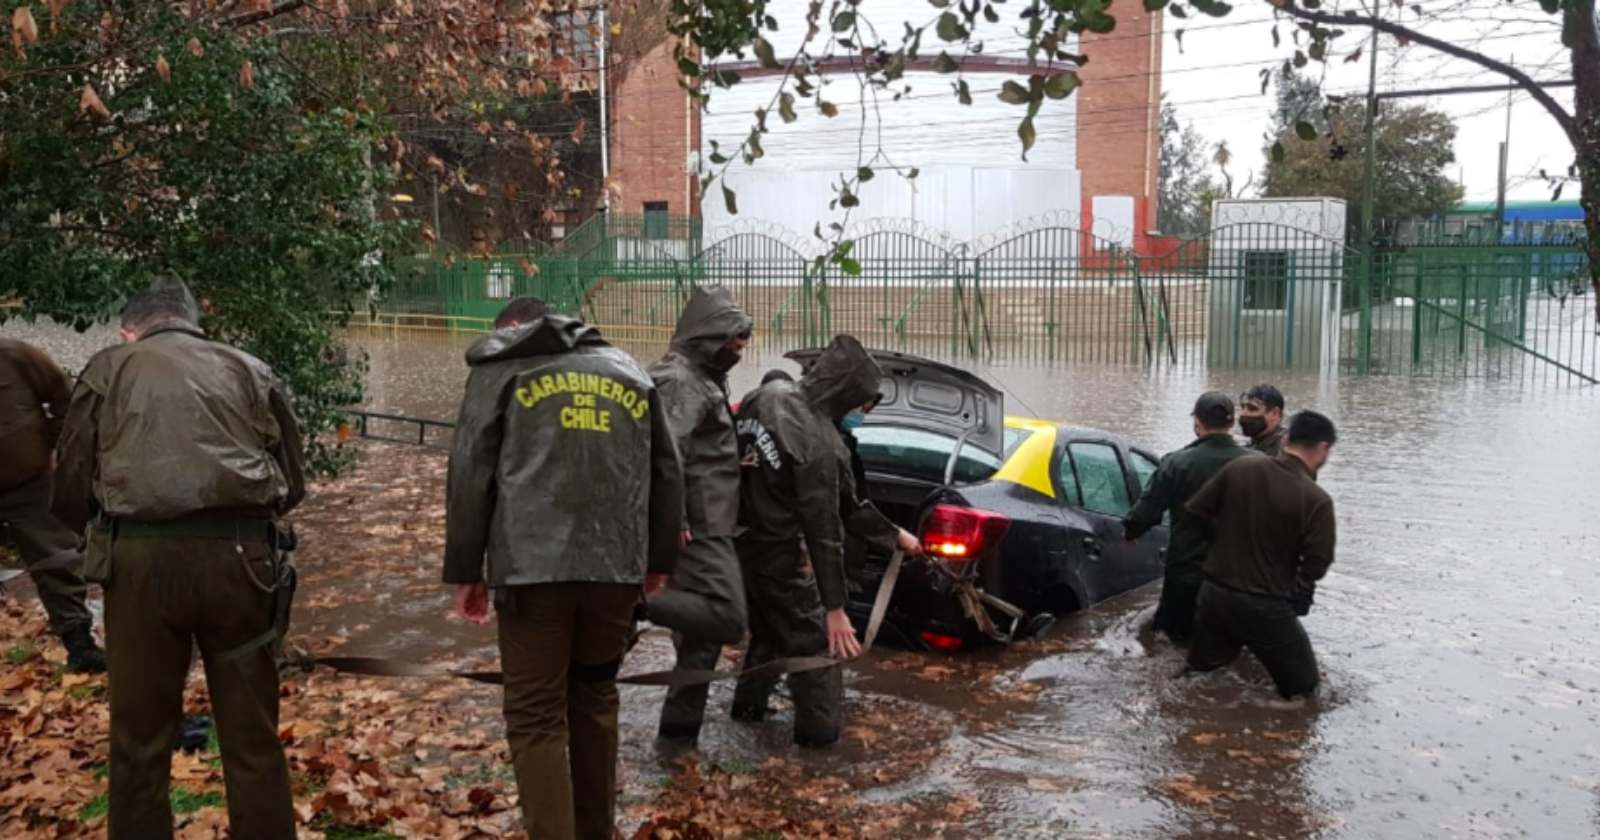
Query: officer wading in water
column 183, row 451
column 797, row 485
column 1180, row 476
column 33, row 403
column 1275, row 534
column 565, row 480
column 704, row 602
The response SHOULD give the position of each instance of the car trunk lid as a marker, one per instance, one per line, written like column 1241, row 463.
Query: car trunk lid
column 923, row 394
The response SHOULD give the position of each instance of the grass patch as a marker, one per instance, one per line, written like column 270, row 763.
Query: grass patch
column 484, row 775
column 97, row 808
column 102, row 772
column 187, row 801
column 738, row 766
column 82, row 692
column 20, row 652
column 183, row 801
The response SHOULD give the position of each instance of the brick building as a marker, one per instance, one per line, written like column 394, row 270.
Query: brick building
column 1097, row 153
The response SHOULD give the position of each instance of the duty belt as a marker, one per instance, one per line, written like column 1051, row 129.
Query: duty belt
column 249, row 530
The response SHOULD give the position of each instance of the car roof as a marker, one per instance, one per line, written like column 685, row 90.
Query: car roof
column 1065, row 430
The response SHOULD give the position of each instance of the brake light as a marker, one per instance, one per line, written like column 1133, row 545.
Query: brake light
column 941, row 642
column 959, row 534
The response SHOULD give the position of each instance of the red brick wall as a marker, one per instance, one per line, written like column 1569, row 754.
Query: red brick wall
column 1119, row 105
column 653, row 130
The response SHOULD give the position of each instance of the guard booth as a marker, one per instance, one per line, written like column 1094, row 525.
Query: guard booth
column 1276, row 271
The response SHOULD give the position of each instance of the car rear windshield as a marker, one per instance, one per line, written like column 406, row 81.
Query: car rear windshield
column 919, row 454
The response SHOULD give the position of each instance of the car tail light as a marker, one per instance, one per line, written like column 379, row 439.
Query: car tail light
column 959, row 535
column 941, row 642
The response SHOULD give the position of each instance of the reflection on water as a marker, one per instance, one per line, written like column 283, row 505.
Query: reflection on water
column 1454, row 630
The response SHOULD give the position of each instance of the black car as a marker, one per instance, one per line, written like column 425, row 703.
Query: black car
column 1021, row 518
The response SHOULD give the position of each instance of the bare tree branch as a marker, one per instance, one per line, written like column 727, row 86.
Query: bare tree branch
column 266, row 14
column 1523, row 80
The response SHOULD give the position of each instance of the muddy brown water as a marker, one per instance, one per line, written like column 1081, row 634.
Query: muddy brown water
column 1456, row 631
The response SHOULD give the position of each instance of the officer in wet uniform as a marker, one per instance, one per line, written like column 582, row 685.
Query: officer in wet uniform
column 565, row 483
column 1261, row 419
column 1180, row 475
column 1274, row 539
column 34, row 393
column 184, row 452
column 704, row 601
column 797, row 486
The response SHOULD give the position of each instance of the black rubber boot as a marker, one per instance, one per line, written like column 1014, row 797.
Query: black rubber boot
column 83, row 655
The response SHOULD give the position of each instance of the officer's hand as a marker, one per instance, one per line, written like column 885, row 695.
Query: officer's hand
column 654, row 584
column 685, row 538
column 842, row 642
column 472, row 602
column 908, row 543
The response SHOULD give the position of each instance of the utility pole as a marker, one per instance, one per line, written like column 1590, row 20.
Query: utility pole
column 1500, row 185
column 1368, row 196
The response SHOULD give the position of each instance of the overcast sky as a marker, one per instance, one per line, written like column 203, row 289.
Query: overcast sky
column 1215, row 84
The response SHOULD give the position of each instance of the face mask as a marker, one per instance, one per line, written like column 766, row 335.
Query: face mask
column 1253, row 426
column 725, row 359
column 852, row 421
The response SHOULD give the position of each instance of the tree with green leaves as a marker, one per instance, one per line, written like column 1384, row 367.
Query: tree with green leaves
column 190, row 151
column 1415, row 144
column 1185, row 187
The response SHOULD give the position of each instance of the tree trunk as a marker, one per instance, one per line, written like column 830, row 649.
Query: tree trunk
column 1584, row 40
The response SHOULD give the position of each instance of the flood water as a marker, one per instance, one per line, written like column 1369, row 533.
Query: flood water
column 1456, row 630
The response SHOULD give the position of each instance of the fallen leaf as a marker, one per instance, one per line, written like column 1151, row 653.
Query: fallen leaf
column 90, row 101
column 24, row 30
column 247, row 75
column 1206, row 739
column 163, row 69
column 195, row 48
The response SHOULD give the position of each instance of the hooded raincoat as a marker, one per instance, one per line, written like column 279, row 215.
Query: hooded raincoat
column 693, row 394
column 797, row 469
column 563, row 468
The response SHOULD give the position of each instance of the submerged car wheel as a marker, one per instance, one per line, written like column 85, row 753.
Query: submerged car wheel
column 1036, row 625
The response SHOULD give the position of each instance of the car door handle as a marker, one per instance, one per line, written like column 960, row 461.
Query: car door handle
column 1091, row 548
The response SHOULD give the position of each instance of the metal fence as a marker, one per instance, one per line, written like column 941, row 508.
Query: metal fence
column 1246, row 296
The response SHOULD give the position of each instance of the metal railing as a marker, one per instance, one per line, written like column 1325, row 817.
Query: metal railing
column 364, row 421
column 1246, row 296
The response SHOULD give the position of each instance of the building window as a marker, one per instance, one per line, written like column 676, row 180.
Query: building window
column 1266, row 279
column 498, row 282
column 655, row 220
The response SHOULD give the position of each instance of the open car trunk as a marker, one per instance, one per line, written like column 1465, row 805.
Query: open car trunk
column 934, row 426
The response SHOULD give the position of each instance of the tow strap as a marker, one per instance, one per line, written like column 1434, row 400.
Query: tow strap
column 372, row 666
column 63, row 559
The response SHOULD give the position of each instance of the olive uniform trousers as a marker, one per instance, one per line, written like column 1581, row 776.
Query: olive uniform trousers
column 787, row 619
column 25, row 511
column 164, row 596
column 560, row 647
column 1227, row 620
column 704, row 606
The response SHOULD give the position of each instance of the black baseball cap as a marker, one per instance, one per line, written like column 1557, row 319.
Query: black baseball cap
column 1214, row 409
column 1267, row 395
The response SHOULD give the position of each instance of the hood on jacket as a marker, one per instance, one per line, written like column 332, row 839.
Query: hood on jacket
column 843, row 378
column 546, row 336
column 708, row 323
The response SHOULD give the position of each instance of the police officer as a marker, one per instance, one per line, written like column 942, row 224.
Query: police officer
column 1180, row 475
column 796, row 486
column 704, row 602
column 1261, row 419
column 1275, row 534
column 33, row 403
column 564, row 481
column 184, row 450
